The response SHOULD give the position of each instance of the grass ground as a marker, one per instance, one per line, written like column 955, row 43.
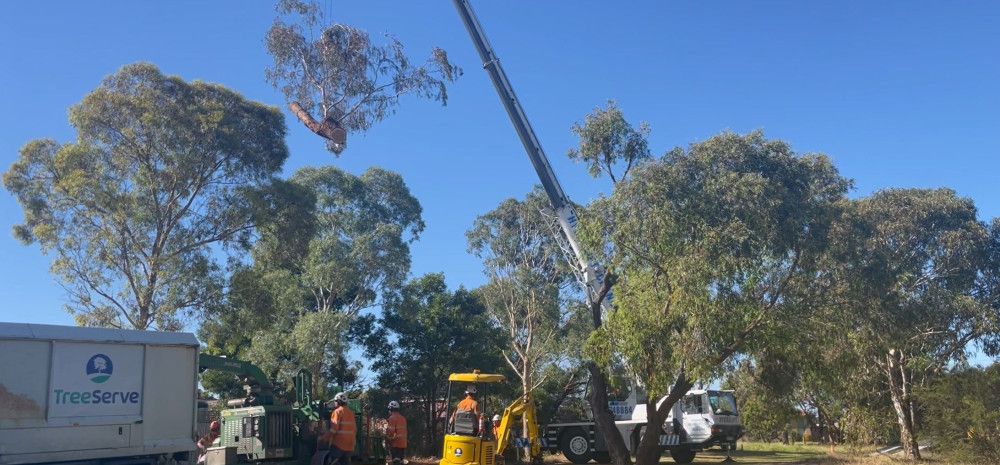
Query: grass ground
column 760, row 453
column 751, row 453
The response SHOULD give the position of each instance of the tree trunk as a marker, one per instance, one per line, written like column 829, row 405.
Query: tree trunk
column 428, row 425
column 526, row 381
column 318, row 387
column 605, row 421
column 598, row 397
column 649, row 451
column 899, row 390
column 821, row 437
column 434, row 445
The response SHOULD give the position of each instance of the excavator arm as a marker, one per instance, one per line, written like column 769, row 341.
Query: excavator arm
column 521, row 409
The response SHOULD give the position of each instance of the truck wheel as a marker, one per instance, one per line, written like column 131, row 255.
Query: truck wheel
column 575, row 446
column 682, row 456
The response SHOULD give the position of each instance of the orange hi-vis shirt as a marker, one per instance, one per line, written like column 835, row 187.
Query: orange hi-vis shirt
column 344, row 428
column 469, row 404
column 396, row 431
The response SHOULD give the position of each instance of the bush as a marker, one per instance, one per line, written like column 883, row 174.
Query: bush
column 963, row 413
column 869, row 426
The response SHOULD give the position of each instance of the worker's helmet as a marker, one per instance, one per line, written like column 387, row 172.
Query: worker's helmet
column 470, row 390
column 341, row 397
column 393, row 405
column 496, row 417
column 214, row 426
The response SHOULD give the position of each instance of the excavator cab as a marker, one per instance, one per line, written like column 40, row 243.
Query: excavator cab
column 470, row 437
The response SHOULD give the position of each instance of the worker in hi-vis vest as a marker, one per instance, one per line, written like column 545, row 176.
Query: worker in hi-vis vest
column 470, row 405
column 395, row 434
column 496, row 427
column 343, row 431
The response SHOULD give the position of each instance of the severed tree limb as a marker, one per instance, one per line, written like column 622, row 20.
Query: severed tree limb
column 326, row 129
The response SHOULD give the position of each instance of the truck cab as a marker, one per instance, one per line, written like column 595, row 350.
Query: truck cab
column 710, row 418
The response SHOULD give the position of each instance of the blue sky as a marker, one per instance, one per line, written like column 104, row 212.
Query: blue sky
column 897, row 93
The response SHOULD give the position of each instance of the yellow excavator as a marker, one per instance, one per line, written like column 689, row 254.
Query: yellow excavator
column 470, row 438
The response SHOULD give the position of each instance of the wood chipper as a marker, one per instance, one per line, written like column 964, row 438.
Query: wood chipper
column 261, row 429
column 471, row 439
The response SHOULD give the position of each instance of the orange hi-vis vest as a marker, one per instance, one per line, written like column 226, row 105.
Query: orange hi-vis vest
column 396, row 431
column 469, row 404
column 344, row 428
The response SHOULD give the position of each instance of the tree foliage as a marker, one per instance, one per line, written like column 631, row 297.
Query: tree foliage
column 527, row 274
column 336, row 80
column 713, row 245
column 963, row 413
column 331, row 246
column 425, row 333
column 608, row 141
column 157, row 176
column 908, row 282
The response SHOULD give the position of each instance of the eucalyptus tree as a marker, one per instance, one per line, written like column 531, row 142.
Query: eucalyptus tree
column 608, row 145
column 526, row 276
column 332, row 245
column 155, row 180
column 336, row 80
column 912, row 293
column 714, row 245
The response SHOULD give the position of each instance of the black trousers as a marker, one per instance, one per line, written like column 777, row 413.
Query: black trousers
column 397, row 454
column 340, row 457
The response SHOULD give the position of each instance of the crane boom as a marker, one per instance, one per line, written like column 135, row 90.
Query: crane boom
column 591, row 275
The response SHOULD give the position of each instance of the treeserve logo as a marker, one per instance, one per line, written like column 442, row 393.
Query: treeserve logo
column 99, row 368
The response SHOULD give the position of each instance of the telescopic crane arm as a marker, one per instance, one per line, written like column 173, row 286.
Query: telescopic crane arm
column 591, row 275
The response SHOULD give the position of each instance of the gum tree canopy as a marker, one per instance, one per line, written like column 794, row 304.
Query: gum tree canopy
column 527, row 278
column 712, row 246
column 155, row 178
column 331, row 244
column 337, row 81
column 913, row 291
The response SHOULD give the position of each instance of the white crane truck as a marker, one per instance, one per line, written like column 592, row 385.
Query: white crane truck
column 709, row 419
column 712, row 421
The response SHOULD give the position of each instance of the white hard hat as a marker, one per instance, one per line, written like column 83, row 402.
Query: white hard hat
column 341, row 397
column 496, row 417
column 393, row 404
column 470, row 390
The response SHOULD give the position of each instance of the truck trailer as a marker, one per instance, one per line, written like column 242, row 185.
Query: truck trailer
column 95, row 396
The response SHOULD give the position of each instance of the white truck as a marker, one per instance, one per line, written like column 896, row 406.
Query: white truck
column 709, row 419
column 96, row 396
